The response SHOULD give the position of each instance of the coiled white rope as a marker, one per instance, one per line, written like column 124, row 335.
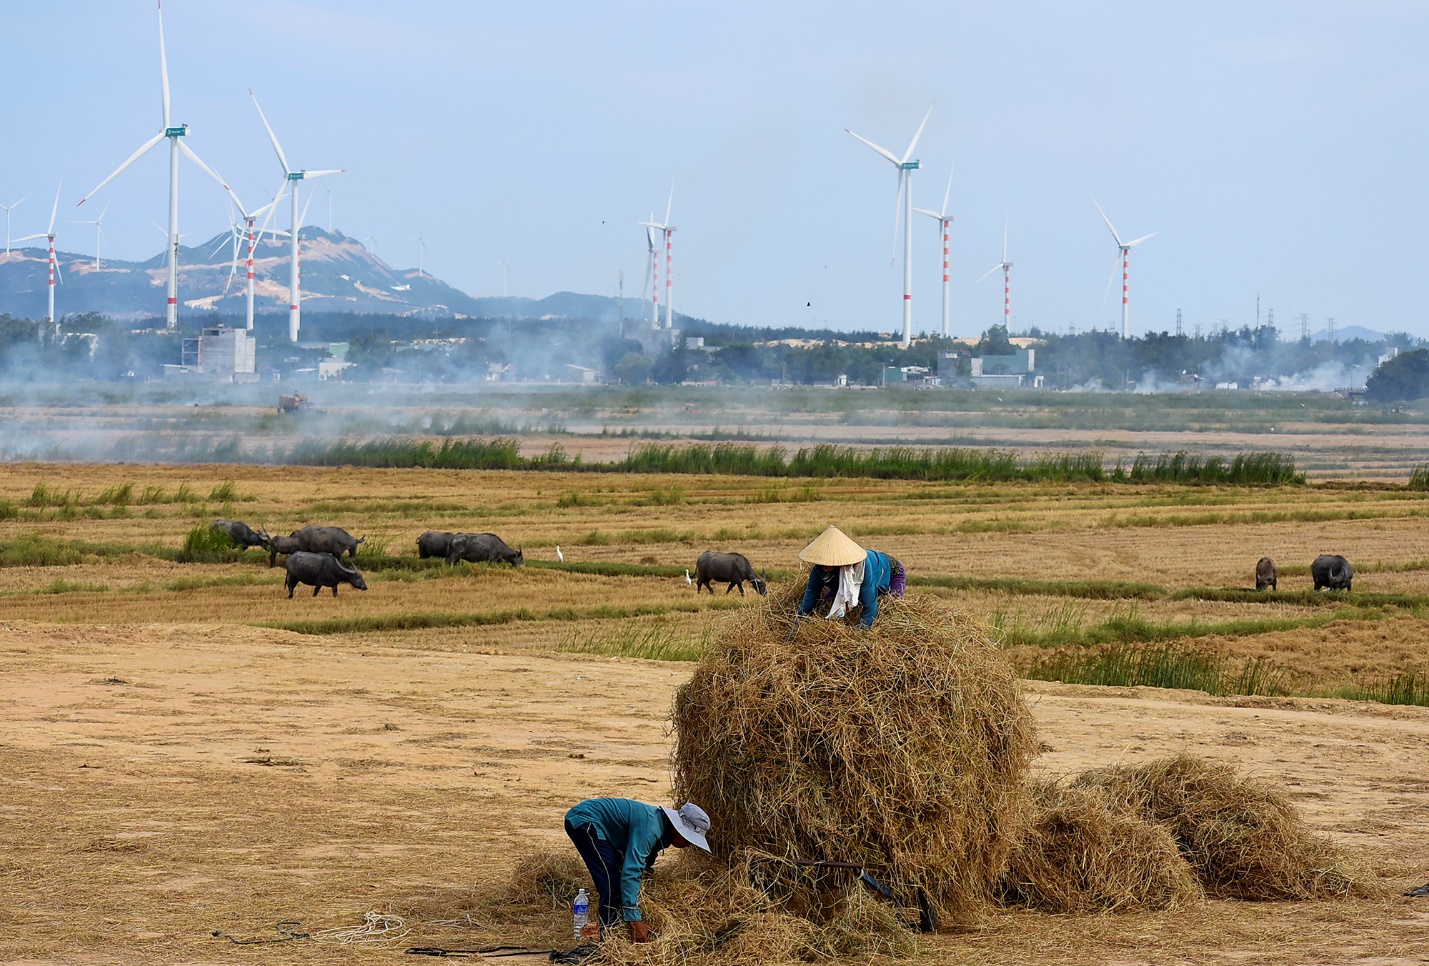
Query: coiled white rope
column 377, row 927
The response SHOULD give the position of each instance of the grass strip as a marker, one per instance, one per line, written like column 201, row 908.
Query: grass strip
column 1087, row 589
column 1171, row 666
column 429, row 619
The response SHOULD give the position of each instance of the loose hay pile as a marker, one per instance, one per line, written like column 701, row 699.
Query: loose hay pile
column 1242, row 839
column 904, row 747
column 1083, row 854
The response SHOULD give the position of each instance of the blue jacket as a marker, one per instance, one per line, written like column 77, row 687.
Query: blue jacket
column 636, row 830
column 877, row 575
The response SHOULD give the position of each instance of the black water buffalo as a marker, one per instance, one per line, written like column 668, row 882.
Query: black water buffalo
column 434, row 543
column 333, row 540
column 283, row 545
column 320, row 570
column 1265, row 574
column 1331, row 571
column 241, row 533
column 482, row 548
column 731, row 568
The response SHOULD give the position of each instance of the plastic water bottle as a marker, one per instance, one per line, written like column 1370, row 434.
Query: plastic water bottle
column 581, row 912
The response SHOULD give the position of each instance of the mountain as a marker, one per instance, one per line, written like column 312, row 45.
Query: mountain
column 1345, row 333
column 339, row 275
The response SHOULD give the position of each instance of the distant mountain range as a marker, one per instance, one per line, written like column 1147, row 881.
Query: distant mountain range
column 339, row 274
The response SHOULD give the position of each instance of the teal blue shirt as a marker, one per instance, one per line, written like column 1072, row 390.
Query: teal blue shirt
column 638, row 830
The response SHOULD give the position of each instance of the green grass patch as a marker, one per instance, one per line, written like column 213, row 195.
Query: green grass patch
column 657, row 642
column 1406, row 687
column 1172, row 666
column 1089, row 589
column 419, row 621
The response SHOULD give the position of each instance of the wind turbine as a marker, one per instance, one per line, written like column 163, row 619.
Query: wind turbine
column 668, row 230
column 1124, row 254
column 903, row 207
column 652, row 264
column 421, row 253
column 242, row 230
column 505, row 271
column 173, row 132
column 944, row 220
column 291, row 179
column 54, row 265
column 8, row 209
column 98, row 224
column 1006, row 267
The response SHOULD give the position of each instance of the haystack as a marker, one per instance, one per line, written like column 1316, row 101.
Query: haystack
column 1243, row 839
column 1083, row 854
column 903, row 747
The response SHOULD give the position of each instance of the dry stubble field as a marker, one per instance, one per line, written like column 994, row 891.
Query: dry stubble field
column 187, row 750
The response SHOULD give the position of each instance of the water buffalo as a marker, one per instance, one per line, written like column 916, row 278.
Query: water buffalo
column 283, row 545
column 241, row 533
column 1331, row 571
column 320, row 570
column 731, row 568
column 1265, row 575
column 482, row 548
column 333, row 540
column 434, row 543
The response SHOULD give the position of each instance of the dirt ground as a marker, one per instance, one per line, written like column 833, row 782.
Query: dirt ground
column 164, row 781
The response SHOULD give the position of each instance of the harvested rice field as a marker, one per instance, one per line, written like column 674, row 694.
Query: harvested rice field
column 188, row 751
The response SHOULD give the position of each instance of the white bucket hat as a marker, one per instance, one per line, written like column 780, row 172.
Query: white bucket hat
column 691, row 822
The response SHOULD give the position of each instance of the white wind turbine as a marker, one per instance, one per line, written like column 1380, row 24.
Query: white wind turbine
column 1006, row 267
column 173, row 132
column 291, row 179
column 54, row 265
column 505, row 272
column 421, row 253
column 903, row 208
column 98, row 224
column 944, row 220
column 651, row 265
column 8, row 209
column 1123, row 251
column 241, row 230
column 668, row 230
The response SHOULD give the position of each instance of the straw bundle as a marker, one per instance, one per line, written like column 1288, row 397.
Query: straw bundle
column 1082, row 854
column 1242, row 839
column 903, row 747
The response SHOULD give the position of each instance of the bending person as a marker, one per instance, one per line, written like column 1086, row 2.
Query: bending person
column 847, row 576
column 618, row 839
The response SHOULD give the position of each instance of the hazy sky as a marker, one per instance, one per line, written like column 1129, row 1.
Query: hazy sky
column 1278, row 148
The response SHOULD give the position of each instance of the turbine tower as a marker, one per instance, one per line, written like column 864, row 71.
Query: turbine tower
column 903, row 208
column 8, row 209
column 1006, row 267
column 1123, row 254
column 54, row 265
column 246, row 220
column 668, row 230
column 291, row 179
column 174, row 132
column 652, row 264
column 944, row 220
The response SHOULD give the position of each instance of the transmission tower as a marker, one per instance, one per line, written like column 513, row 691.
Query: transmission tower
column 1178, row 323
column 1196, row 327
column 1330, row 329
column 1304, row 325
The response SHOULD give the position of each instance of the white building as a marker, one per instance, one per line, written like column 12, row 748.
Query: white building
column 219, row 353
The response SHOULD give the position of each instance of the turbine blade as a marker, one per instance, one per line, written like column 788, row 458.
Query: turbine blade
column 990, row 271
column 147, row 145
column 188, row 153
column 303, row 218
column 272, row 207
column 930, row 214
column 309, row 175
column 163, row 64
column 897, row 213
column 883, row 151
column 1110, row 280
column 282, row 158
column 1133, row 244
column 948, row 194
column 913, row 145
column 670, row 202
column 1108, row 223
column 28, row 238
column 55, row 210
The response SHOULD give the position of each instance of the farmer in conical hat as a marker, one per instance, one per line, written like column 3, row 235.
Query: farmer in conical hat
column 846, row 576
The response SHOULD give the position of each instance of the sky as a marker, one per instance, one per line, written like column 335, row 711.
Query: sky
column 1277, row 148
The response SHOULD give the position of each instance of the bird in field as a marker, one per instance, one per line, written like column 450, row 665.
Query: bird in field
column 560, row 556
column 688, row 581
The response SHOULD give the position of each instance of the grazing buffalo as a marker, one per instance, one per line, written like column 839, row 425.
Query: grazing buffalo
column 283, row 545
column 1265, row 575
column 434, row 543
column 320, row 570
column 333, row 540
column 482, row 548
column 241, row 533
column 731, row 568
column 1331, row 571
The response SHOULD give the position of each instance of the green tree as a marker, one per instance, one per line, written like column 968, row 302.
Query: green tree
column 633, row 369
column 1406, row 376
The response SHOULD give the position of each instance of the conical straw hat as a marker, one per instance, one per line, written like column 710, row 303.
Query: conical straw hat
column 832, row 548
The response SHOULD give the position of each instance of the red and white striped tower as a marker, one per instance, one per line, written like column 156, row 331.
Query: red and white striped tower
column 1007, row 296
column 51, row 317
column 1125, row 287
column 250, row 274
column 1124, row 251
column 655, row 296
column 946, row 222
column 669, row 277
